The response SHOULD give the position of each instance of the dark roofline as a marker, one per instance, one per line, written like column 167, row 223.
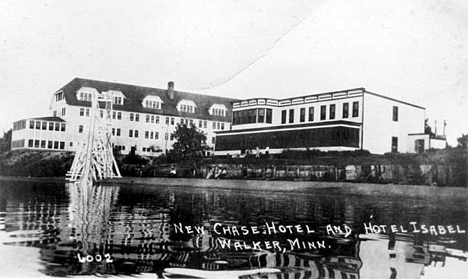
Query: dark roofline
column 140, row 86
column 395, row 100
column 47, row 118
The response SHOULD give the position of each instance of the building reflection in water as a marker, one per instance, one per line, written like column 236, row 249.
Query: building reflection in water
column 135, row 227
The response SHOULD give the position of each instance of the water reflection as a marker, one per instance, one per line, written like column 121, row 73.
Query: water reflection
column 116, row 230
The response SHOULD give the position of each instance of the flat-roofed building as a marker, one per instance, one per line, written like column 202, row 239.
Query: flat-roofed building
column 143, row 118
column 334, row 121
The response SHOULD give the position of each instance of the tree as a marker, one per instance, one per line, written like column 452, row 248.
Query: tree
column 190, row 141
column 463, row 141
column 5, row 141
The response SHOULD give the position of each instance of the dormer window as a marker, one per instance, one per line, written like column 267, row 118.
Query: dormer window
column 218, row 110
column 152, row 102
column 86, row 94
column 186, row 106
column 118, row 98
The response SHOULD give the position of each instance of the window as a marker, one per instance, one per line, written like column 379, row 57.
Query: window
column 62, row 127
column 50, row 144
column 152, row 118
column 137, row 117
column 172, row 120
column 214, row 125
column 394, row 144
column 38, row 125
column 136, row 133
column 395, row 113
column 156, row 135
column 345, row 110
column 311, row 114
column 172, row 136
column 146, row 134
column 36, row 143
column 43, row 143
column 147, row 118
column 261, row 115
column 30, row 143
column 57, row 126
column 252, row 116
column 167, row 120
column 56, row 145
column 131, row 116
column 213, row 140
column 302, row 116
column 355, row 109
column 63, row 111
column 81, row 111
column 218, row 125
column 118, row 132
column 268, row 115
column 119, row 115
column 222, row 126
column 80, row 129
column 283, row 116
column 291, row 116
column 31, row 124
column 87, row 112
column 323, row 112
column 44, row 125
column 151, row 135
column 205, row 124
column 332, row 111
column 152, row 104
column 157, row 119
column 62, row 145
column 199, row 123
column 113, row 131
column 130, row 133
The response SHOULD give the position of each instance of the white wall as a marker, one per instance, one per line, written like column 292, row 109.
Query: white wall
column 379, row 127
column 74, row 120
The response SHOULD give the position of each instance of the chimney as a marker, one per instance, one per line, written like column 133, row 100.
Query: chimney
column 170, row 90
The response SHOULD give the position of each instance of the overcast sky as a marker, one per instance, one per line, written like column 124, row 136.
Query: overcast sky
column 411, row 50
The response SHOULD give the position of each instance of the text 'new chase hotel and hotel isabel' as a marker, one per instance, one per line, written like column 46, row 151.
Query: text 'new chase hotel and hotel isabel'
column 145, row 118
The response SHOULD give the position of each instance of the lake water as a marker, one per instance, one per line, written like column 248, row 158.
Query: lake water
column 63, row 229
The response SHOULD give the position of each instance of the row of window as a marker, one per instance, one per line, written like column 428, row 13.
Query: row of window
column 47, row 125
column 219, row 112
column 252, row 116
column 152, row 104
column 62, row 112
column 17, row 143
column 187, row 108
column 135, row 117
column 19, row 125
column 323, row 113
column 46, row 144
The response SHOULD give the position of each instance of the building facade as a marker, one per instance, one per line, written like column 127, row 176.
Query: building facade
column 343, row 120
column 143, row 118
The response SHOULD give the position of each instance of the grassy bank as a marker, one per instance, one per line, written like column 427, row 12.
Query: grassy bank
column 436, row 167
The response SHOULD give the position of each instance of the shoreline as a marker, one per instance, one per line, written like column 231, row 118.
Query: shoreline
column 268, row 185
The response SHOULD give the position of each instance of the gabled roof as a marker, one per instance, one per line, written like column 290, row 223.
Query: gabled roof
column 135, row 95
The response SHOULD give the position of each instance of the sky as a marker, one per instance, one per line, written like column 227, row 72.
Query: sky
column 413, row 50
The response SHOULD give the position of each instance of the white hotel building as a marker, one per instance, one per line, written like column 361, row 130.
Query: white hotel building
column 343, row 120
column 143, row 118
